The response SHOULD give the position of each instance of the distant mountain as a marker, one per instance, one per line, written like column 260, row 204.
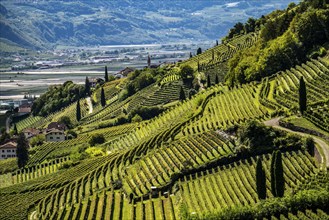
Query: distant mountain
column 45, row 24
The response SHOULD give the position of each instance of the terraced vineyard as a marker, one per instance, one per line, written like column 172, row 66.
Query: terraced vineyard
column 319, row 115
column 316, row 76
column 234, row 184
column 114, row 205
column 50, row 149
column 26, row 174
column 221, row 53
column 197, row 159
column 168, row 93
column 158, row 168
column 227, row 109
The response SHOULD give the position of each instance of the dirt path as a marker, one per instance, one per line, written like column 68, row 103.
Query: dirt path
column 90, row 105
column 324, row 146
column 8, row 121
column 200, row 83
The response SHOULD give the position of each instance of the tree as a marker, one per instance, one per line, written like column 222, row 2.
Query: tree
column 260, row 180
column 15, row 130
column 191, row 55
column 212, row 54
column 103, row 101
column 199, row 51
column 106, row 75
column 216, row 79
column 96, row 139
column 216, row 42
column 4, row 136
column 37, row 140
column 273, row 174
column 302, row 95
column 149, row 61
column 57, row 97
column 186, row 72
column 182, row 94
column 22, row 150
column 78, row 113
column 309, row 145
column 256, row 136
column 277, row 178
column 66, row 120
column 87, row 86
column 71, row 134
column 208, row 81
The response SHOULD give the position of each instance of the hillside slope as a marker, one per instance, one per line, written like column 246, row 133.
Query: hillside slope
column 43, row 24
column 167, row 148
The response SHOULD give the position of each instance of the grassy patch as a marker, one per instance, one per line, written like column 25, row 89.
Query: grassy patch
column 8, row 165
column 304, row 123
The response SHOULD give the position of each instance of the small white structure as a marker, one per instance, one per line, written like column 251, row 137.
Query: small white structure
column 55, row 135
column 8, row 150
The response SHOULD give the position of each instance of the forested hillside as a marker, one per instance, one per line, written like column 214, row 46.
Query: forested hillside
column 205, row 138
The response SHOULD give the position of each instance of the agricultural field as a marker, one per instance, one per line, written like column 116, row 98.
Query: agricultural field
column 165, row 146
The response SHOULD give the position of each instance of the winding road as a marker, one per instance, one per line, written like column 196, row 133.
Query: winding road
column 324, row 145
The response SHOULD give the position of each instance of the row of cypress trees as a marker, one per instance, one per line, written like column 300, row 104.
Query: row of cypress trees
column 277, row 178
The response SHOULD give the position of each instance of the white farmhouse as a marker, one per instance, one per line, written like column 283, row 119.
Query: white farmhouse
column 55, row 135
column 8, row 150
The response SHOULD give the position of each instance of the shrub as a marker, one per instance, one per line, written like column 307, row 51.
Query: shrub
column 256, row 135
column 309, row 145
column 37, row 140
column 96, row 151
column 66, row 121
column 68, row 164
column 96, row 139
column 145, row 112
column 123, row 95
column 71, row 134
column 137, row 118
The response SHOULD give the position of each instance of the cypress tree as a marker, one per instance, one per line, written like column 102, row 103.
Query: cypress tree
column 182, row 94
column 208, row 81
column 15, row 130
column 87, row 86
column 191, row 55
column 103, row 102
column 149, row 61
column 106, row 75
column 310, row 146
column 22, row 150
column 216, row 79
column 302, row 95
column 279, row 178
column 198, row 66
column 78, row 113
column 212, row 54
column 199, row 51
column 273, row 174
column 216, row 42
column 260, row 180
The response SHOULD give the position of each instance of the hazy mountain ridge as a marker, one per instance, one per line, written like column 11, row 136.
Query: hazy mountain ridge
column 42, row 24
